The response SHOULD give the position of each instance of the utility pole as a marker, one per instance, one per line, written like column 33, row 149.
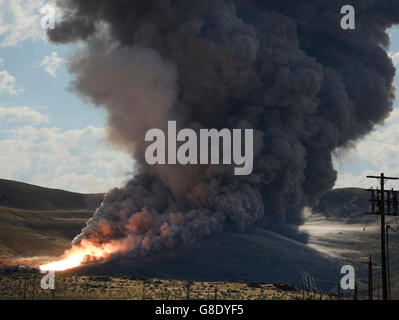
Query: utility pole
column 25, row 288
column 388, row 270
column 378, row 285
column 370, row 278
column 356, row 291
column 381, row 212
column 188, row 288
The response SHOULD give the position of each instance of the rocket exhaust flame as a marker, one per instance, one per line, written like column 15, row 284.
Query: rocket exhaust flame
column 71, row 259
column 86, row 252
column 67, row 262
column 283, row 68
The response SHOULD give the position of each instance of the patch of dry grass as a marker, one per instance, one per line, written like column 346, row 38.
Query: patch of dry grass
column 26, row 285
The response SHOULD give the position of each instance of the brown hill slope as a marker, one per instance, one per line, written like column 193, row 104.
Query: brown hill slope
column 15, row 194
column 36, row 221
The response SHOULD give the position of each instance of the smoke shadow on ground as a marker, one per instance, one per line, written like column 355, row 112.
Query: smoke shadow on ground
column 258, row 255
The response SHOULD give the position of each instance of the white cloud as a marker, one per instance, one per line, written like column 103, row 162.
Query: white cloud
column 7, row 84
column 51, row 63
column 395, row 57
column 351, row 180
column 19, row 21
column 1, row 62
column 380, row 149
column 22, row 114
column 75, row 160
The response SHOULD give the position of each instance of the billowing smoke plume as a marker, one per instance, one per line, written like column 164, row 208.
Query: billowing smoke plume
column 284, row 68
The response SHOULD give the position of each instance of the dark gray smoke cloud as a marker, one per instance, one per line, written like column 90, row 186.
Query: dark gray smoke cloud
column 282, row 67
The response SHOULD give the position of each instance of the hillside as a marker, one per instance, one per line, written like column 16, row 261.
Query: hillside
column 256, row 255
column 26, row 233
column 20, row 195
column 351, row 203
column 36, row 221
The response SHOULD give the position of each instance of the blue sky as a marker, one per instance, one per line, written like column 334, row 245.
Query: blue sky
column 49, row 137
column 377, row 152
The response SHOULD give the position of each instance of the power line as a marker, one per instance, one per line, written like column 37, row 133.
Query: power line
column 380, row 203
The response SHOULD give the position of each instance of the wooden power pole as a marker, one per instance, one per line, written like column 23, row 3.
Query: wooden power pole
column 356, row 292
column 370, row 278
column 388, row 268
column 380, row 201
